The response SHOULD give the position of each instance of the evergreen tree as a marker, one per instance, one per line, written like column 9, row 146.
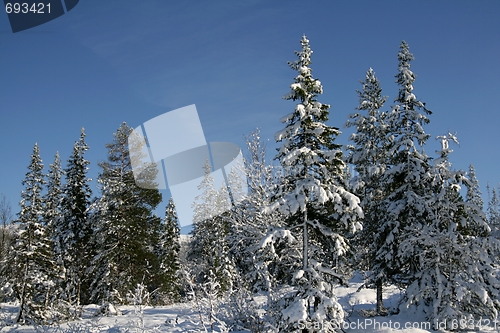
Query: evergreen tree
column 473, row 199
column 406, row 183
column 260, row 267
column 493, row 211
column 74, row 227
column 319, row 209
column 53, row 200
column 124, row 224
column 473, row 191
column 210, row 251
column 455, row 279
column 7, row 233
column 54, row 195
column 167, row 251
column 52, row 218
column 30, row 268
column 369, row 156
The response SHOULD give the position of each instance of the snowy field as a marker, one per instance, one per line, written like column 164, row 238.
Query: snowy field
column 184, row 317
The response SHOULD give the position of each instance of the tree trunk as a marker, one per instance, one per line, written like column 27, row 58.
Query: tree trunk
column 305, row 240
column 22, row 297
column 380, row 300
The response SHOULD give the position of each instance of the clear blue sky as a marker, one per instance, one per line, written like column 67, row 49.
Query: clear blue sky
column 106, row 62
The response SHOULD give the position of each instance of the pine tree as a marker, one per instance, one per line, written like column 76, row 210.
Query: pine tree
column 31, row 270
column 406, row 183
column 124, row 224
column 167, row 250
column 455, row 279
column 369, row 156
column 74, row 227
column 314, row 200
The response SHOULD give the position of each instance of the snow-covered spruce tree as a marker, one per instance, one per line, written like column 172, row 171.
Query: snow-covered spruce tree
column 406, row 182
column 368, row 154
column 124, row 224
column 209, row 247
column 248, row 226
column 455, row 279
column 320, row 211
column 167, row 251
column 52, row 216
column 31, row 270
column 473, row 197
column 74, row 228
column 7, row 233
column 493, row 210
column 52, row 209
column 473, row 191
column 54, row 196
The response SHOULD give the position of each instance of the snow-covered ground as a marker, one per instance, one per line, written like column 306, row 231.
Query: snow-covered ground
column 184, row 317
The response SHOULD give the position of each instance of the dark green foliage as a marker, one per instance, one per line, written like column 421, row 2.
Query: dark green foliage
column 167, row 251
column 73, row 229
column 124, row 223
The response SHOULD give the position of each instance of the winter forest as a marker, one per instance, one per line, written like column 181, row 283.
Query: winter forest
column 328, row 235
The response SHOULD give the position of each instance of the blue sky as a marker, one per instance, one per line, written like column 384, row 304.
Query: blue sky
column 106, row 62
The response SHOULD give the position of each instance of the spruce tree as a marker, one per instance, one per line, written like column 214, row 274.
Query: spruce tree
column 74, row 227
column 167, row 250
column 474, row 201
column 6, row 232
column 473, row 191
column 53, row 197
column 368, row 154
column 52, row 218
column 210, row 251
column 455, row 280
column 53, row 200
column 406, row 183
column 319, row 210
column 259, row 266
column 493, row 210
column 31, row 270
column 124, row 223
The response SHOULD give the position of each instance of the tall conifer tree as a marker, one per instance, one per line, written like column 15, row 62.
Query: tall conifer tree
column 493, row 210
column 406, row 182
column 210, row 231
column 74, row 227
column 31, row 270
column 314, row 199
column 368, row 154
column 455, row 278
column 124, row 222
column 167, row 250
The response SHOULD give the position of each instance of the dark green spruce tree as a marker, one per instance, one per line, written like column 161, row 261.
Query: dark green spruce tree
column 167, row 249
column 368, row 154
column 73, row 229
